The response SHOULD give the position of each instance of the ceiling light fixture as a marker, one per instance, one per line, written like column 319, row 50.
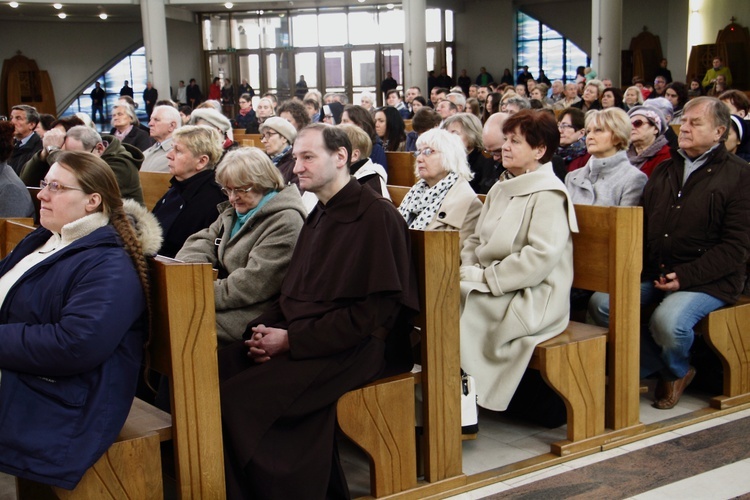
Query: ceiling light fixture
column 390, row 6
column 58, row 6
column 229, row 5
column 62, row 15
column 13, row 5
column 103, row 16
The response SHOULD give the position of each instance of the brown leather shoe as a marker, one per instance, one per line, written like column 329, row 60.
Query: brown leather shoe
column 671, row 391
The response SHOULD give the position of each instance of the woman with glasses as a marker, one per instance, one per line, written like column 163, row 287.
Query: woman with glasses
column 649, row 146
column 252, row 240
column 608, row 179
column 190, row 204
column 572, row 152
column 277, row 136
column 442, row 198
column 74, row 320
column 246, row 117
column 517, row 266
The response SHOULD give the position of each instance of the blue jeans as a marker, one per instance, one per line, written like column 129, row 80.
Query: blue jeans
column 665, row 344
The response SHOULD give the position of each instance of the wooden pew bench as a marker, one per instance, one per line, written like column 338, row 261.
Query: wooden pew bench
column 726, row 332
column 154, row 186
column 606, row 258
column 400, row 169
column 380, row 416
column 183, row 347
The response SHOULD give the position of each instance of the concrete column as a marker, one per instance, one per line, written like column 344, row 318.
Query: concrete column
column 415, row 45
column 154, row 21
column 606, row 35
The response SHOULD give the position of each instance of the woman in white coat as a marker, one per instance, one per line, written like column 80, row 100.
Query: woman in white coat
column 442, row 199
column 517, row 267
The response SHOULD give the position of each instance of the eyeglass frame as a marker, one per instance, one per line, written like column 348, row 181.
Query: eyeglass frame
column 492, row 153
column 268, row 134
column 234, row 191
column 638, row 123
column 56, row 187
column 427, row 152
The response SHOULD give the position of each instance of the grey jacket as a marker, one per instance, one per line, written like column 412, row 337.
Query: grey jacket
column 256, row 259
column 612, row 182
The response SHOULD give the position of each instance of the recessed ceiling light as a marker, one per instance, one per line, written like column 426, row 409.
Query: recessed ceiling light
column 229, row 5
column 58, row 6
column 361, row 1
column 13, row 5
column 62, row 15
column 390, row 6
column 103, row 16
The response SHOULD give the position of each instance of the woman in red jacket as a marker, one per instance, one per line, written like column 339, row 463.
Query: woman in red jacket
column 648, row 145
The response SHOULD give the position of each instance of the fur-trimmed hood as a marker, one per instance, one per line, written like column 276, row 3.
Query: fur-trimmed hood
column 146, row 226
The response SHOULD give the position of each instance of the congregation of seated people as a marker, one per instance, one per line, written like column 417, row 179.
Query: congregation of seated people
column 292, row 298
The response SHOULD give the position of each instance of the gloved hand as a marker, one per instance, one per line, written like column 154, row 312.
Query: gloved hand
column 472, row 273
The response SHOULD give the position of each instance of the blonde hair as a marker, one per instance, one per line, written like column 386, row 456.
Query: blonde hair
column 470, row 125
column 249, row 167
column 616, row 121
column 200, row 140
column 359, row 139
column 637, row 92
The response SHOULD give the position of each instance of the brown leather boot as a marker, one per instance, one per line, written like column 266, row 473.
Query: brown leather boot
column 671, row 391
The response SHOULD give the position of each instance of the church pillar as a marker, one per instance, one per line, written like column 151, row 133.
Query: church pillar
column 606, row 36
column 154, row 25
column 415, row 45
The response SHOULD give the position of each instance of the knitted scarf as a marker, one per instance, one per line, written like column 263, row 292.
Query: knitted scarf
column 422, row 202
column 572, row 151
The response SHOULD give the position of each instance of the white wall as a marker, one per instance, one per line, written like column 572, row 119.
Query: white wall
column 485, row 36
column 75, row 53
column 185, row 52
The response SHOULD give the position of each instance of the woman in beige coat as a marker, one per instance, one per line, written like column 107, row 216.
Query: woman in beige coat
column 251, row 242
column 442, row 199
column 517, row 267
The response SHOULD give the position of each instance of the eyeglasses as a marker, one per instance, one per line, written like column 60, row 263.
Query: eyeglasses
column 563, row 126
column 268, row 135
column 492, row 153
column 426, row 152
column 55, row 187
column 638, row 123
column 236, row 191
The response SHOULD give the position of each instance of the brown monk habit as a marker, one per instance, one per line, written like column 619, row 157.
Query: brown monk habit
column 350, row 282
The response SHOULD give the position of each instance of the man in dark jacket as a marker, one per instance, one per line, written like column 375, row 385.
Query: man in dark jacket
column 124, row 160
column 697, row 239
column 327, row 333
column 26, row 142
column 150, row 96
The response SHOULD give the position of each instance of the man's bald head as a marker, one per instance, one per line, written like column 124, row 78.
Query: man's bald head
column 492, row 134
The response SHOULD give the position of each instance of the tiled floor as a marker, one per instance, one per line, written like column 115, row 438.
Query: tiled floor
column 503, row 441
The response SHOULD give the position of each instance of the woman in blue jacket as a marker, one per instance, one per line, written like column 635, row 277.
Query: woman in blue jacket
column 73, row 322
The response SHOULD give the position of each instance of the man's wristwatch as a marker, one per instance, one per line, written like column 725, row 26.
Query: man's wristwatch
column 52, row 149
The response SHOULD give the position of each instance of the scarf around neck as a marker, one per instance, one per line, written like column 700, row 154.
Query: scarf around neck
column 422, row 202
column 637, row 160
column 572, row 151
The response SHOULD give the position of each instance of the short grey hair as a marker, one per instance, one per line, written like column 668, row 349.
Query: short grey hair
column 519, row 101
column 129, row 110
column 170, row 113
column 453, row 155
column 471, row 126
column 460, row 99
column 88, row 137
column 717, row 110
column 249, row 167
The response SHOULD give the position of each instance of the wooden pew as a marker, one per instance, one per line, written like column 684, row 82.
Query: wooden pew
column 154, row 185
column 726, row 332
column 183, row 347
column 380, row 416
column 614, row 235
column 408, row 126
column 12, row 231
column 400, row 169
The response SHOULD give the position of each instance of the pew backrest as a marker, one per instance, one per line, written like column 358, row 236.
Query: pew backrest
column 154, row 185
column 12, row 231
column 400, row 168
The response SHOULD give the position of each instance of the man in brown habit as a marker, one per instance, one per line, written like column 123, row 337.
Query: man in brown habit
column 342, row 320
